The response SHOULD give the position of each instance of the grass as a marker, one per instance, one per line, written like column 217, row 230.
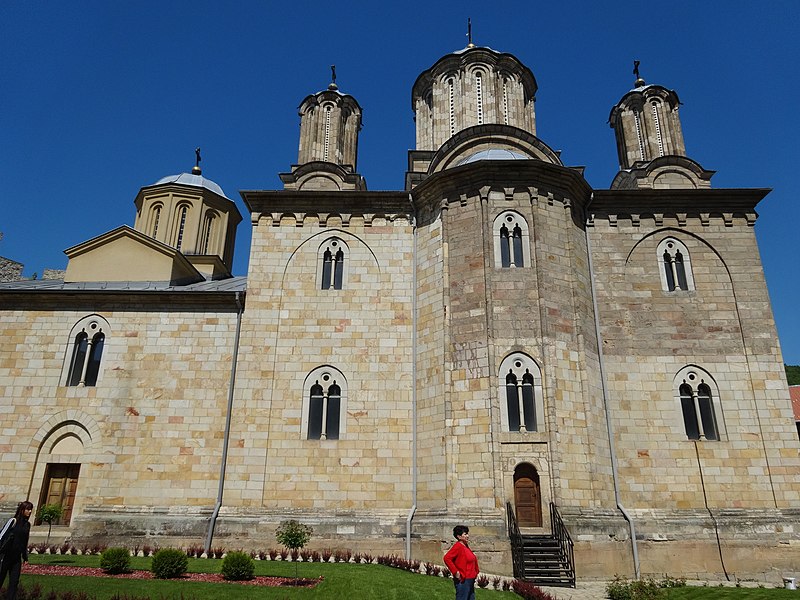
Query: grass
column 341, row 580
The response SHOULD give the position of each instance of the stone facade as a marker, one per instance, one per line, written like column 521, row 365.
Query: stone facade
column 496, row 335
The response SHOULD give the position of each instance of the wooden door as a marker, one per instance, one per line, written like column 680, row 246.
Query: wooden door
column 527, row 496
column 60, row 484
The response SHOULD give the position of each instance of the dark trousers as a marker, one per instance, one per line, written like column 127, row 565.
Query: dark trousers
column 12, row 568
column 465, row 589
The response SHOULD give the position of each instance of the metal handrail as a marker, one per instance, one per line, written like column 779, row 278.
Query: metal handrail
column 515, row 536
column 565, row 544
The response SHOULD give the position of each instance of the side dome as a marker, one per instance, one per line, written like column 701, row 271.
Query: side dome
column 192, row 180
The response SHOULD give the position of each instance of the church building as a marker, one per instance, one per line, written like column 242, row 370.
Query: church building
column 498, row 344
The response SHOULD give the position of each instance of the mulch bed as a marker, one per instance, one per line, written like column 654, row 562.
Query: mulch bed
column 206, row 577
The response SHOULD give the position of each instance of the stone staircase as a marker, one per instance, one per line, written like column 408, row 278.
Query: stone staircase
column 544, row 562
column 542, row 559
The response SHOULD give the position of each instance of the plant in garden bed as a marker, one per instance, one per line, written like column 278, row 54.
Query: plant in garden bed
column 237, row 566
column 482, row 581
column 49, row 513
column 293, row 535
column 169, row 563
column 642, row 589
column 529, row 591
column 115, row 561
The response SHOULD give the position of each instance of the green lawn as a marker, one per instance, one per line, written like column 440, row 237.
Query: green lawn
column 341, row 581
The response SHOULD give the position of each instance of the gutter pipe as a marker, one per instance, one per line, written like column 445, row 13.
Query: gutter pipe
column 413, row 508
column 612, row 448
column 226, row 438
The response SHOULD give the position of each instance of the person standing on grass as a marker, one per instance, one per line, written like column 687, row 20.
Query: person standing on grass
column 463, row 564
column 14, row 542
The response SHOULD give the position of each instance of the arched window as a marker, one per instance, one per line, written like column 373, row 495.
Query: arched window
column 332, row 261
column 155, row 218
column 208, row 230
column 88, row 342
column 511, row 241
column 479, row 96
column 700, row 419
column 522, row 406
column 675, row 266
column 183, row 211
column 324, row 409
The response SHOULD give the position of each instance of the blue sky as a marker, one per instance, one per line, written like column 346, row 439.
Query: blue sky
column 98, row 99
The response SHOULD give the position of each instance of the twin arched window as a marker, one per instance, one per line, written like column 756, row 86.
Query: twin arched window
column 325, row 391
column 675, row 266
column 332, row 256
column 696, row 393
column 521, row 397
column 88, row 342
column 511, row 241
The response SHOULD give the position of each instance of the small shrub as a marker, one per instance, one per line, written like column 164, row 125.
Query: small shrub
column 529, row 591
column 445, row 572
column 497, row 582
column 169, row 563
column 506, row 585
column 262, row 555
column 218, row 552
column 643, row 589
column 65, row 548
column 273, row 554
column 342, row 556
column 115, row 561
column 357, row 558
column 146, row 550
column 305, row 555
column 237, row 566
column 284, row 553
column 295, row 554
column 482, row 581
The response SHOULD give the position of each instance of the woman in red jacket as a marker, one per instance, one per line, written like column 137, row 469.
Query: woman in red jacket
column 462, row 564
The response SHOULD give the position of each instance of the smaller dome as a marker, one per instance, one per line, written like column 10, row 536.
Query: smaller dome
column 493, row 154
column 193, row 180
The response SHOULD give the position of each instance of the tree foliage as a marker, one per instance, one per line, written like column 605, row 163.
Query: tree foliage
column 49, row 513
column 294, row 535
column 793, row 374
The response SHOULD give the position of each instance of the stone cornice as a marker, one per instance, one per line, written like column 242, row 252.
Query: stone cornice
column 120, row 300
column 366, row 205
column 564, row 184
column 680, row 205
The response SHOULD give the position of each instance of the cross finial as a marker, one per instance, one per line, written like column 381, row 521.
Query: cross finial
column 196, row 168
column 639, row 81
column 332, row 85
column 469, row 33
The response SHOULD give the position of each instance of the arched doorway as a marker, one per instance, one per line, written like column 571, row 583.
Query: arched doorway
column 527, row 496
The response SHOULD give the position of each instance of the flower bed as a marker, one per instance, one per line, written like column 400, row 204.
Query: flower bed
column 206, row 577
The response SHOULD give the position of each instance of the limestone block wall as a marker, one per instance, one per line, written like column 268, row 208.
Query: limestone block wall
column 148, row 434
column 363, row 331
column 724, row 329
column 431, row 374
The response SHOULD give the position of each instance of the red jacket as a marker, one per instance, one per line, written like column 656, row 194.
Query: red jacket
column 460, row 559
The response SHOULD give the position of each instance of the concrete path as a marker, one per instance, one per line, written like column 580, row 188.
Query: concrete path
column 596, row 590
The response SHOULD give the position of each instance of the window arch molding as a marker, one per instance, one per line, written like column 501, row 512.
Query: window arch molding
column 675, row 265
column 324, row 404
column 156, row 214
column 521, row 394
column 511, row 240
column 333, row 259
column 697, row 404
column 210, row 233
column 84, row 353
column 181, row 221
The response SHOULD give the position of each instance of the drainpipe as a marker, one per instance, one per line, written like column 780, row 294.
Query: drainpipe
column 413, row 508
column 226, row 438
column 611, row 446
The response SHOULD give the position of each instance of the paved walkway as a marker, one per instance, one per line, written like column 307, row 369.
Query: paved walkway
column 596, row 590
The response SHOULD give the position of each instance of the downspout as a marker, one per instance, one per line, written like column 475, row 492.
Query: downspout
column 611, row 446
column 227, row 434
column 413, row 508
